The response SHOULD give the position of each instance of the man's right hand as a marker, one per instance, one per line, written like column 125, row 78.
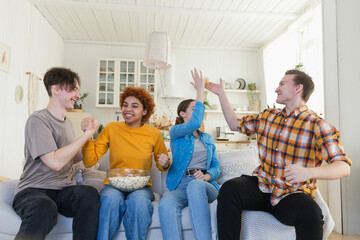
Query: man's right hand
column 216, row 88
column 90, row 125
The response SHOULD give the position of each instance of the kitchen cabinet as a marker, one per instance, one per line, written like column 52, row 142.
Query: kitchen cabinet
column 114, row 75
column 106, row 83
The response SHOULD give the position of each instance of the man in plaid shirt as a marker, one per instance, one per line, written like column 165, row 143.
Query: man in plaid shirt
column 293, row 142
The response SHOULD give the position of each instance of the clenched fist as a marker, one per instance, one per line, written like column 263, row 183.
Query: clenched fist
column 164, row 160
column 89, row 123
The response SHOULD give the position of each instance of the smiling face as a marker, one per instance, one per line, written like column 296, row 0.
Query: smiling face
column 287, row 91
column 133, row 111
column 66, row 96
column 188, row 113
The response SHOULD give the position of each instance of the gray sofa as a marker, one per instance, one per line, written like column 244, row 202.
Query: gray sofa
column 256, row 225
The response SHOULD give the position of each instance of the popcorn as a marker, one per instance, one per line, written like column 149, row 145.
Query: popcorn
column 129, row 183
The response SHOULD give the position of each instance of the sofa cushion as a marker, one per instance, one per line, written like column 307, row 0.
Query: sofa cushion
column 234, row 163
column 94, row 178
column 10, row 221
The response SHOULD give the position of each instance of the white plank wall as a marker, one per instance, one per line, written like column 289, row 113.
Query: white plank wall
column 35, row 47
column 348, row 38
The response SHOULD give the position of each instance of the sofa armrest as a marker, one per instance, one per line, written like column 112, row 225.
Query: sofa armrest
column 7, row 190
column 9, row 221
column 328, row 220
column 213, row 219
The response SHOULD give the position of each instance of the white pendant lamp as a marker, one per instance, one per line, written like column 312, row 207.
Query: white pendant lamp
column 157, row 53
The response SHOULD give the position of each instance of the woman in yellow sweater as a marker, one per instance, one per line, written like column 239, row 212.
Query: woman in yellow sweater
column 132, row 145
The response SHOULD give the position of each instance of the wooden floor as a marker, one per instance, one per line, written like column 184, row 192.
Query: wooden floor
column 336, row 236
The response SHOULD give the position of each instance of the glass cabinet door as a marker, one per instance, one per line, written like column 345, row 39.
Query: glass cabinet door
column 147, row 79
column 127, row 74
column 114, row 75
column 106, row 82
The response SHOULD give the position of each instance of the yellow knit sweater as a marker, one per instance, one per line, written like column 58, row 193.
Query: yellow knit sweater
column 129, row 147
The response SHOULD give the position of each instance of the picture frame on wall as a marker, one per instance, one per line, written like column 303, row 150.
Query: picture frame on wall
column 4, row 58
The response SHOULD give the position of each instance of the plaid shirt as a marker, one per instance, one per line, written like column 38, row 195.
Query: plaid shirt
column 302, row 138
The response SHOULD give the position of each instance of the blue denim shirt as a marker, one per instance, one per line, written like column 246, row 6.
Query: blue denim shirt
column 182, row 147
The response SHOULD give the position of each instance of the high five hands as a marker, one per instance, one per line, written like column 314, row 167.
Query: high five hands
column 90, row 124
column 216, row 88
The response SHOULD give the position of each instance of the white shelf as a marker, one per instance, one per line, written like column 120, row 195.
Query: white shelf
column 238, row 112
column 169, row 97
column 238, row 91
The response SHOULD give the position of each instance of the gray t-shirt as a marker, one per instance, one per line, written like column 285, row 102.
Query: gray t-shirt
column 199, row 158
column 45, row 133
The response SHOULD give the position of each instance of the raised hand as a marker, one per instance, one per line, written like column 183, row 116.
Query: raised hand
column 199, row 82
column 216, row 88
column 90, row 125
column 86, row 123
column 94, row 126
column 164, row 160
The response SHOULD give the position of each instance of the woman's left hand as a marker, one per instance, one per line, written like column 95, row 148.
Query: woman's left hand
column 199, row 175
column 164, row 160
column 199, row 83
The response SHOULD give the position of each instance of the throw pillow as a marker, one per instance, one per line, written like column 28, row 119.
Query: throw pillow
column 79, row 166
column 234, row 163
column 94, row 178
column 78, row 169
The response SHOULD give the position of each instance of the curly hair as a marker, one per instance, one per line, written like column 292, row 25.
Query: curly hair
column 144, row 97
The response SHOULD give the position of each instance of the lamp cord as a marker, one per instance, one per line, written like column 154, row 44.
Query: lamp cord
column 162, row 72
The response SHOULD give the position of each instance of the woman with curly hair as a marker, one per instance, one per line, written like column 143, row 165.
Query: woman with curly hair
column 132, row 144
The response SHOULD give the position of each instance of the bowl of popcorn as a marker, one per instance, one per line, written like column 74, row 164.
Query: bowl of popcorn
column 128, row 180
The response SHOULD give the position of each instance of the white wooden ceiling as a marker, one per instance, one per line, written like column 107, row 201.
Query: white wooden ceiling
column 207, row 23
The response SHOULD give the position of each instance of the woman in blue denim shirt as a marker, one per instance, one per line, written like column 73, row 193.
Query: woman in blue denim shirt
column 194, row 169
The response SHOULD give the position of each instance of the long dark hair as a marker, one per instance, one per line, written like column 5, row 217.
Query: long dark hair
column 182, row 108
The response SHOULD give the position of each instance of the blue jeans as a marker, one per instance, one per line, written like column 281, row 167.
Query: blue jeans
column 134, row 207
column 196, row 194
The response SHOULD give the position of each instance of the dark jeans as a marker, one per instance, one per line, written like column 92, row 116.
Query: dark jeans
column 38, row 209
column 242, row 193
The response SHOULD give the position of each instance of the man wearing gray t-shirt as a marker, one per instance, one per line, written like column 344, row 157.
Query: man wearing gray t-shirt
column 47, row 184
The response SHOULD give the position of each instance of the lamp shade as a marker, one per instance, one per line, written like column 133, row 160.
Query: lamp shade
column 157, row 53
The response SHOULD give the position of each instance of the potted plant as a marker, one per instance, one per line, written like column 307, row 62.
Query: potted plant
column 101, row 127
column 78, row 105
column 299, row 67
column 207, row 104
column 251, row 87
